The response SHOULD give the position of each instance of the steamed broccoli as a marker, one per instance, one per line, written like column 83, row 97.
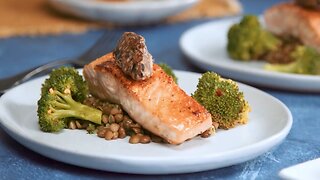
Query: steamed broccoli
column 306, row 61
column 247, row 40
column 168, row 70
column 222, row 98
column 61, row 97
column 75, row 82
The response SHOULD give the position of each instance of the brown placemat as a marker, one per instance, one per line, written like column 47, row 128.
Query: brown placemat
column 36, row 17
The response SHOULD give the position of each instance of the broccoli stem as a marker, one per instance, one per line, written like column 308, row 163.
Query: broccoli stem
column 72, row 108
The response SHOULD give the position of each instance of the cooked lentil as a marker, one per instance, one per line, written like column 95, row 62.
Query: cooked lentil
column 72, row 125
column 111, row 119
column 122, row 133
column 78, row 125
column 207, row 133
column 105, row 119
column 108, row 134
column 117, row 124
column 114, row 127
column 115, row 135
column 134, row 139
column 118, row 117
column 101, row 132
column 144, row 139
column 283, row 54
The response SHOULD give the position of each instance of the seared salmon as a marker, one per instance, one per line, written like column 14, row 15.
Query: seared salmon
column 294, row 20
column 157, row 103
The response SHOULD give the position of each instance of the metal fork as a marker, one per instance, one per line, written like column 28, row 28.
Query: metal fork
column 104, row 44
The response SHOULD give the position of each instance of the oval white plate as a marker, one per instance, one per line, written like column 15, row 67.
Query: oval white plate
column 270, row 122
column 306, row 170
column 131, row 12
column 206, row 44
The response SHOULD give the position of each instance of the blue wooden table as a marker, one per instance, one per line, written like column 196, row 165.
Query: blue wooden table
column 20, row 53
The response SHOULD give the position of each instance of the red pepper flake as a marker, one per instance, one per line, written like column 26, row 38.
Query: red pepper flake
column 219, row 92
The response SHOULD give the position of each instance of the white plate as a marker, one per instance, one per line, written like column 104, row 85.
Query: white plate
column 206, row 44
column 307, row 170
column 131, row 12
column 269, row 123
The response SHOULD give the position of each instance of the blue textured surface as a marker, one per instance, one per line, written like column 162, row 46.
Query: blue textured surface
column 18, row 162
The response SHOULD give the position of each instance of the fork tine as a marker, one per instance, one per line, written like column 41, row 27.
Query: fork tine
column 105, row 44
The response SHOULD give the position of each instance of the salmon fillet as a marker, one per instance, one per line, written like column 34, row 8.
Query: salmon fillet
column 157, row 103
column 291, row 19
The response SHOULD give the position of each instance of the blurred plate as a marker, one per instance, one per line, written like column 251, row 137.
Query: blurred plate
column 308, row 170
column 205, row 45
column 130, row 12
column 269, row 123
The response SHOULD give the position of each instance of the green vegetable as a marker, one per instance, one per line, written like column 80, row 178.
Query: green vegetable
column 247, row 40
column 63, row 76
column 168, row 70
column 222, row 98
column 91, row 129
column 306, row 61
column 61, row 97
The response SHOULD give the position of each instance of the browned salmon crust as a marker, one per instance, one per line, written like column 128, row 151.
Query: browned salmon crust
column 291, row 19
column 158, row 104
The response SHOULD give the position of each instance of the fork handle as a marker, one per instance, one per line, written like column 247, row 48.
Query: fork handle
column 9, row 82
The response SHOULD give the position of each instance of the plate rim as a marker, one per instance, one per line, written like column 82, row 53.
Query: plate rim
column 260, row 147
column 127, row 5
column 96, row 10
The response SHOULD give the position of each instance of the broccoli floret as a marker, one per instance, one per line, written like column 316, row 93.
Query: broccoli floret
column 306, row 61
column 222, row 98
column 74, row 80
column 247, row 40
column 250, row 21
column 58, row 100
column 168, row 70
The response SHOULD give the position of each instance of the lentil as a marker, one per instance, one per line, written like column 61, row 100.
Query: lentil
column 145, row 139
column 108, row 134
column 79, row 126
column 115, row 135
column 111, row 119
column 114, row 127
column 101, row 132
column 127, row 124
column 122, row 133
column 208, row 132
column 156, row 139
column 118, row 117
column 115, row 111
column 85, row 125
column 106, row 109
column 135, row 139
column 117, row 124
column 136, row 130
column 105, row 119
column 136, row 125
column 72, row 125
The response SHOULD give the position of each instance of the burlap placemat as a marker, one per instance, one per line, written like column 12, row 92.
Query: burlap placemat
column 36, row 17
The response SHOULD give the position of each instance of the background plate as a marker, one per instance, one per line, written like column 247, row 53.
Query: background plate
column 306, row 170
column 205, row 45
column 131, row 12
column 269, row 123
